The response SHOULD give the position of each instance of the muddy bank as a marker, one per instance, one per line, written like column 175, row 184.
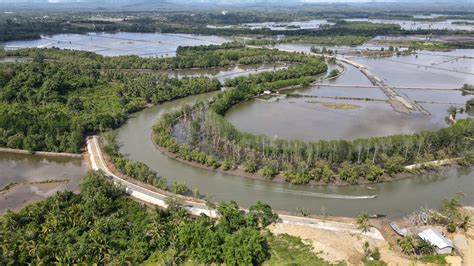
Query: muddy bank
column 24, row 194
column 28, row 178
column 43, row 153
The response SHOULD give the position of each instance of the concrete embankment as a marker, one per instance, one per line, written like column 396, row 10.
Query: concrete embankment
column 196, row 208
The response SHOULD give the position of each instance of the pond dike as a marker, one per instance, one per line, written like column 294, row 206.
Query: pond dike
column 398, row 102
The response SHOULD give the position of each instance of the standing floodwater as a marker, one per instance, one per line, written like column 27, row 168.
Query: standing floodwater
column 122, row 43
column 35, row 177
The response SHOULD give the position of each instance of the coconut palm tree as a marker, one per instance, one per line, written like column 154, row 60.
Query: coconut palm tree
column 363, row 222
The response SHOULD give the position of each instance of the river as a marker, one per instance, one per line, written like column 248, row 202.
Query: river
column 395, row 199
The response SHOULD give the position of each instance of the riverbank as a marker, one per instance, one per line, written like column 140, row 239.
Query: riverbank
column 111, row 167
column 157, row 197
column 279, row 177
column 43, row 153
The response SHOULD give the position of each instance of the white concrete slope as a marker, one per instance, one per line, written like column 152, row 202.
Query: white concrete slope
column 197, row 208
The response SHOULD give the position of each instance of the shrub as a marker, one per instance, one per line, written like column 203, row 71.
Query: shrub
column 250, row 166
column 179, row 188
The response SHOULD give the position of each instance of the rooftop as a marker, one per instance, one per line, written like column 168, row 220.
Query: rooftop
column 433, row 236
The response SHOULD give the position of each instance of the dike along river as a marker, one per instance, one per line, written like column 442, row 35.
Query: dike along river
column 395, row 199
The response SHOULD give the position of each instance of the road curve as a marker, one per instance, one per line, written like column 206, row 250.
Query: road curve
column 197, row 208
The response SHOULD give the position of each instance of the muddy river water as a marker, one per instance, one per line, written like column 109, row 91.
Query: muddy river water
column 303, row 118
column 394, row 198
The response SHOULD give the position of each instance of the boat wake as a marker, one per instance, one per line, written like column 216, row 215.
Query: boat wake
column 322, row 195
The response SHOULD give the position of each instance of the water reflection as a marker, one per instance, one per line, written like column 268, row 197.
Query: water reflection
column 122, row 43
column 29, row 171
column 394, row 198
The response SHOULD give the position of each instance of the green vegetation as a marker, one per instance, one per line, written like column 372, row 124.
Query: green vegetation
column 437, row 46
column 300, row 162
column 137, row 170
column 51, row 102
column 303, row 162
column 467, row 89
column 363, row 222
column 179, row 188
column 8, row 187
column 100, row 225
column 33, row 24
column 289, row 250
column 364, row 25
column 323, row 50
column 49, row 105
column 415, row 246
column 437, row 259
column 369, row 160
column 450, row 216
column 371, row 256
column 333, row 73
column 470, row 107
column 186, row 57
column 328, row 40
column 321, row 40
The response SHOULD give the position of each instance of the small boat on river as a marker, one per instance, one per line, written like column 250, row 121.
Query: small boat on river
column 377, row 215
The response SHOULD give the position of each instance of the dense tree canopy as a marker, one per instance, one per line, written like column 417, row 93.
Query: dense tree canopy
column 52, row 99
column 100, row 225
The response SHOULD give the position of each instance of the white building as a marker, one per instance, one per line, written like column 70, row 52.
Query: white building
column 433, row 236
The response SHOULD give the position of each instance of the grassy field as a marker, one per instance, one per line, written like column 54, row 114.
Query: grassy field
column 289, row 250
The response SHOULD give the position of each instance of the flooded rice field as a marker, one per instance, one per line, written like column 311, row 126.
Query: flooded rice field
column 33, row 175
column 122, row 43
column 425, row 69
column 423, row 25
column 310, row 119
column 449, row 24
column 310, row 24
column 416, row 77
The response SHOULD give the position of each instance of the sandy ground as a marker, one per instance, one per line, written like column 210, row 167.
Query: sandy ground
column 468, row 253
column 339, row 246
